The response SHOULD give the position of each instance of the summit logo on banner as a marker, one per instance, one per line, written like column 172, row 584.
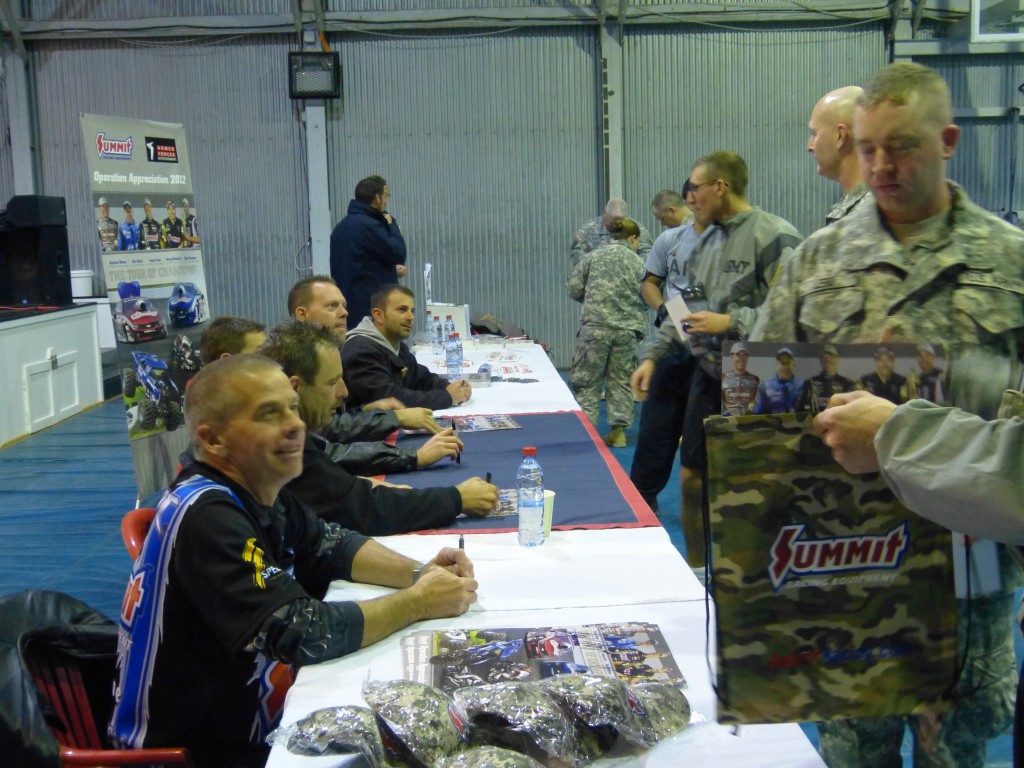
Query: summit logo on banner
column 113, row 149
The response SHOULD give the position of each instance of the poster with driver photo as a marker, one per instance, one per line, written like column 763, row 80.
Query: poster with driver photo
column 774, row 377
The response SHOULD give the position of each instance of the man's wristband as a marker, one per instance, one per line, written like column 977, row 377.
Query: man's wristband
column 417, row 572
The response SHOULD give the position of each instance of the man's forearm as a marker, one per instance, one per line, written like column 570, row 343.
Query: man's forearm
column 376, row 564
column 651, row 291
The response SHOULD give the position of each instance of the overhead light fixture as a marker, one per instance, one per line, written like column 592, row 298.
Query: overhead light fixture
column 314, row 75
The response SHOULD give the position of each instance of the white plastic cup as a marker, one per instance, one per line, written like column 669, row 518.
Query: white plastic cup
column 549, row 508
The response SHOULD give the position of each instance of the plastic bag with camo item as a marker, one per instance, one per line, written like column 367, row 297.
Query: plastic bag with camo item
column 334, row 731
column 667, row 710
column 419, row 724
column 518, row 716
column 605, row 707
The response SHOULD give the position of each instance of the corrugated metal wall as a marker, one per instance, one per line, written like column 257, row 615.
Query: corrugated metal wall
column 244, row 141
column 489, row 146
column 982, row 160
column 6, row 158
column 490, row 140
column 692, row 90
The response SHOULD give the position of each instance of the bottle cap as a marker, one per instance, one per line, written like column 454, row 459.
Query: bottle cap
column 529, row 451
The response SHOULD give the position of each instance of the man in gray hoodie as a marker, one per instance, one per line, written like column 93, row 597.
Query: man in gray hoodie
column 379, row 364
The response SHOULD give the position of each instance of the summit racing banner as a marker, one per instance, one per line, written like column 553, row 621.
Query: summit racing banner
column 149, row 242
column 832, row 599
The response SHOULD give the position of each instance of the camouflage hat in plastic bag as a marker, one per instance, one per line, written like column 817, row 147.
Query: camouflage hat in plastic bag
column 334, row 731
column 600, row 703
column 668, row 711
column 488, row 757
column 519, row 716
column 418, row 724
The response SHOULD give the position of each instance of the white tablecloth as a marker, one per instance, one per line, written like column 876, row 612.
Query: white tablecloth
column 618, row 566
column 546, row 395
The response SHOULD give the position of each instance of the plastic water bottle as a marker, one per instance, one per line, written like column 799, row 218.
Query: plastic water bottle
column 428, row 327
column 437, row 336
column 530, row 499
column 453, row 357
column 449, row 326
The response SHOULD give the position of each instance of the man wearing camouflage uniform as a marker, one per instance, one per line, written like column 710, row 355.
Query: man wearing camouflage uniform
column 596, row 233
column 735, row 261
column 614, row 319
column 831, row 143
column 918, row 262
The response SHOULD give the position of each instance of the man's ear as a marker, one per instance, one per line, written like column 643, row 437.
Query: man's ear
column 844, row 136
column 950, row 136
column 208, row 440
column 377, row 314
column 296, row 382
column 300, row 313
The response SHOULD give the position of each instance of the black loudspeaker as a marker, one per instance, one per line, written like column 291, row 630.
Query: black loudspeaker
column 35, row 211
column 34, row 267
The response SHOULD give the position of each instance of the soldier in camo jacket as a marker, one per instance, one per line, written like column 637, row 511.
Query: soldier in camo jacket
column 614, row 319
column 598, row 232
column 919, row 262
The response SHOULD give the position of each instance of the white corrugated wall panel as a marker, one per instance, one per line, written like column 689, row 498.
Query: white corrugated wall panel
column 244, row 142
column 691, row 90
column 489, row 146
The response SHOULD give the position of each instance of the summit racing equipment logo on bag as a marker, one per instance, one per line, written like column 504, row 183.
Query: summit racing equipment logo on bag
column 113, row 149
column 835, row 554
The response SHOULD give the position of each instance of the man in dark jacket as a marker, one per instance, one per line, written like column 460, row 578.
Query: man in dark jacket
column 378, row 363
column 367, row 248
column 310, row 359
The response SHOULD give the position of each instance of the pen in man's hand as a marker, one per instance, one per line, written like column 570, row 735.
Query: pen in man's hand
column 488, row 477
column 462, row 541
column 458, row 453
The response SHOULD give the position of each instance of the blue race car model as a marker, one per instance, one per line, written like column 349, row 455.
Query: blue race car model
column 187, row 305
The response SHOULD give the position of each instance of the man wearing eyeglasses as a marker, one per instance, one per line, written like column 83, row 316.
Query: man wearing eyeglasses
column 736, row 260
column 918, row 262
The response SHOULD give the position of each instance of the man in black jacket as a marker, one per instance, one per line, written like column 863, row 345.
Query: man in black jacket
column 309, row 357
column 367, row 248
column 379, row 364
column 357, row 436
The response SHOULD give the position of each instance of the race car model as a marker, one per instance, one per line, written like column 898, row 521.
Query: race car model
column 185, row 354
column 187, row 305
column 162, row 399
column 136, row 318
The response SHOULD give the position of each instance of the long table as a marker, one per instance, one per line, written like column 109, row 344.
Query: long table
column 577, row 577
